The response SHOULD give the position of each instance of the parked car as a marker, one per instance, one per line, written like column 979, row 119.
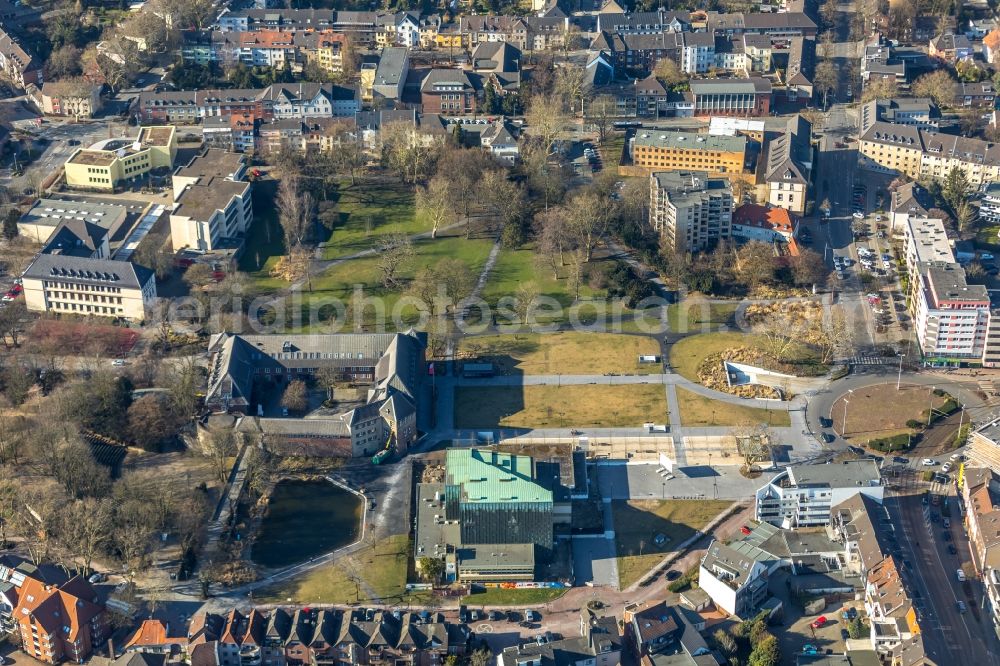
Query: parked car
column 532, row 616
column 961, row 606
column 118, row 362
column 850, row 613
column 960, row 575
column 818, row 622
column 844, row 634
column 952, row 550
column 946, row 536
column 928, row 462
column 97, row 578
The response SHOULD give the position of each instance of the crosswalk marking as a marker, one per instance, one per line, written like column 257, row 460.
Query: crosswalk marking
column 870, row 360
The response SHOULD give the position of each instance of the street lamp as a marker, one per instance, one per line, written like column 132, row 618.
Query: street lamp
column 930, row 407
column 899, row 375
column 843, row 429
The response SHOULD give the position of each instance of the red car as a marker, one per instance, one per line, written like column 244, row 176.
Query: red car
column 818, row 622
column 14, row 292
column 745, row 530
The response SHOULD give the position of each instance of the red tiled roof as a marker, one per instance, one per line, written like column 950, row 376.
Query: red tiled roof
column 153, row 632
column 765, row 217
column 53, row 608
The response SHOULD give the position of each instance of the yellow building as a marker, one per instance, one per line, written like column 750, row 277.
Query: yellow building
column 923, row 154
column 449, row 40
column 117, row 161
column 325, row 49
column 657, row 150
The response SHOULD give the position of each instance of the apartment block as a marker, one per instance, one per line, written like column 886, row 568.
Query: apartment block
column 802, row 495
column 660, row 150
column 77, row 98
column 115, row 162
column 19, row 63
column 61, row 622
column 926, row 240
column 210, row 214
column 924, row 154
column 691, row 210
column 951, row 317
column 278, row 101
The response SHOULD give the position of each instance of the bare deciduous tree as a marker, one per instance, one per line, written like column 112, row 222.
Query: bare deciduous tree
column 546, row 118
column 392, row 250
column 434, row 203
column 296, row 209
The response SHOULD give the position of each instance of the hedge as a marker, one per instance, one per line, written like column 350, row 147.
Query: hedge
column 899, row 442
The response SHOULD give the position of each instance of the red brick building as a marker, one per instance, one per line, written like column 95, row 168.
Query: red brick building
column 731, row 97
column 448, row 91
column 60, row 623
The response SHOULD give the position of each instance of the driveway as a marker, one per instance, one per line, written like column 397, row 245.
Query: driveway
column 595, row 561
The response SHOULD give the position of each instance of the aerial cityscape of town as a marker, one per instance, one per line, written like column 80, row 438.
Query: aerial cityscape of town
column 527, row 333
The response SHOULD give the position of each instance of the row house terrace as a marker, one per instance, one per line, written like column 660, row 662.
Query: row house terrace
column 296, row 637
column 278, row 101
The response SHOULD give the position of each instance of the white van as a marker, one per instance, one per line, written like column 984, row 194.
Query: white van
column 960, row 575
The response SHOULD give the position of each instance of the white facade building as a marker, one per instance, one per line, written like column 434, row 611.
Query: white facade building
column 802, row 495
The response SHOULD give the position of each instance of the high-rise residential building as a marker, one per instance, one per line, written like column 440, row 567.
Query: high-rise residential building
column 690, row 209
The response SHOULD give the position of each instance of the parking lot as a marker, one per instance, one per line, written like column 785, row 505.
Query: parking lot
column 696, row 482
column 801, row 635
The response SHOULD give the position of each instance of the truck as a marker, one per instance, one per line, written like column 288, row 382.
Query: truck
column 381, row 456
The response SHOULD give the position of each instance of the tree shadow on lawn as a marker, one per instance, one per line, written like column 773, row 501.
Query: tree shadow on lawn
column 633, row 525
column 485, row 407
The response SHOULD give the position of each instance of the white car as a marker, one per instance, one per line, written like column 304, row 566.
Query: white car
column 960, row 575
column 946, row 468
column 956, row 457
column 858, row 216
column 929, row 462
column 118, row 362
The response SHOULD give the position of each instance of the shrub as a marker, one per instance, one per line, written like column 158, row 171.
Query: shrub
column 915, row 424
column 899, row 442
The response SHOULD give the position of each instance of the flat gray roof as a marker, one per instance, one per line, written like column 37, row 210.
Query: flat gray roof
column 848, row 473
column 691, row 141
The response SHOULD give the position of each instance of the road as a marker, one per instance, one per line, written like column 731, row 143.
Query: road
column 964, row 387
column 56, row 152
column 933, row 581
